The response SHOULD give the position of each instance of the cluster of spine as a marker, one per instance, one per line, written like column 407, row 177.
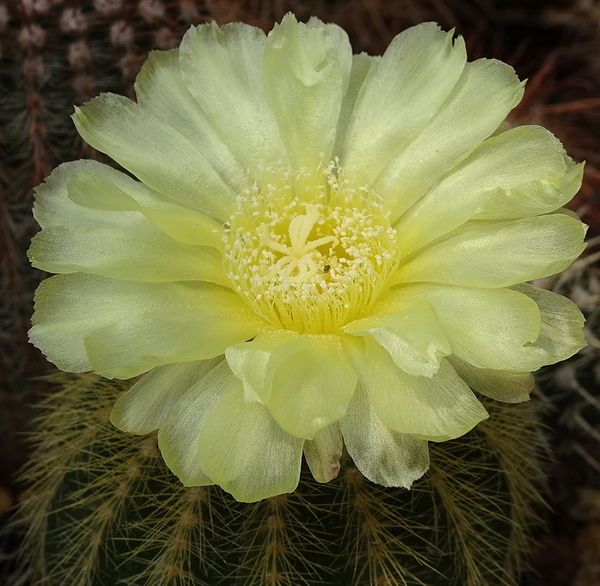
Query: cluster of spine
column 104, row 509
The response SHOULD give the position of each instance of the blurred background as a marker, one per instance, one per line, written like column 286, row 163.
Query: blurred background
column 57, row 53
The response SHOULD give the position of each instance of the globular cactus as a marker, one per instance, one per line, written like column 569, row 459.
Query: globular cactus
column 94, row 488
column 104, row 510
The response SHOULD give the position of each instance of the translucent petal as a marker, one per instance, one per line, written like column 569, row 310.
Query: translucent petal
column 324, row 452
column 223, row 70
column 400, row 95
column 500, row 385
column 147, row 405
column 361, row 65
column 561, row 333
column 129, row 327
column 242, row 449
column 521, row 172
column 412, row 336
column 540, row 197
column 383, row 455
column 498, row 254
column 52, row 207
column 311, row 388
column 436, row 408
column 490, row 328
column 155, row 153
column 485, row 93
column 123, row 245
column 160, row 89
column 100, row 187
column 255, row 362
column 178, row 437
column 306, row 74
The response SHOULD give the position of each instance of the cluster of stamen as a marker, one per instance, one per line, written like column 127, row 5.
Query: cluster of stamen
column 309, row 253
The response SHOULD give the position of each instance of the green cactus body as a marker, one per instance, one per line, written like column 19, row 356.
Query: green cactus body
column 105, row 510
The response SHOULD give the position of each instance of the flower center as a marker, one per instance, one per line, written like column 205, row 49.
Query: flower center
column 309, row 253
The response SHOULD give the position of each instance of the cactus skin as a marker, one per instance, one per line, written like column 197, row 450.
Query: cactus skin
column 104, row 509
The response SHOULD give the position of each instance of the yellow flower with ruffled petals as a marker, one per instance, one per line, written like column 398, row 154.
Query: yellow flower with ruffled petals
column 316, row 249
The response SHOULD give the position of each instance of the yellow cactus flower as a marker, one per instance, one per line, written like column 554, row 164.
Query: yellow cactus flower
column 316, row 249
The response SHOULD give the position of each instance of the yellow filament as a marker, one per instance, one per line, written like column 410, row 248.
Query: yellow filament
column 312, row 263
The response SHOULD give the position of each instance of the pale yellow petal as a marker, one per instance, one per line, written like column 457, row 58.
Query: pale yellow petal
column 242, row 449
column 490, row 328
column 255, row 362
column 148, row 403
column 312, row 387
column 382, row 455
column 118, row 242
column 323, row 453
column 178, row 437
column 412, row 336
column 123, row 245
column 124, row 328
column 436, row 408
column 306, row 74
column 500, row 385
column 561, row 333
column 481, row 99
column 160, row 89
column 155, row 153
column 499, row 254
column 361, row 65
column 400, row 95
column 521, row 172
column 223, row 70
column 99, row 187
